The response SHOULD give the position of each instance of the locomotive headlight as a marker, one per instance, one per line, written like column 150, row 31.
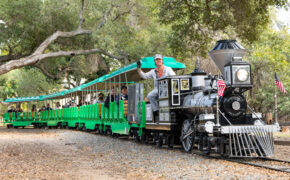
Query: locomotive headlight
column 242, row 75
column 238, row 74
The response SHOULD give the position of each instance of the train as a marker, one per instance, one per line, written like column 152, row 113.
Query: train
column 191, row 111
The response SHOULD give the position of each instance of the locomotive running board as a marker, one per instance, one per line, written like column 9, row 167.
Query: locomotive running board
column 250, row 141
column 158, row 127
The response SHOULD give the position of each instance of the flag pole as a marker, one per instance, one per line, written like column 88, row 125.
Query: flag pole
column 276, row 107
column 217, row 105
column 217, row 111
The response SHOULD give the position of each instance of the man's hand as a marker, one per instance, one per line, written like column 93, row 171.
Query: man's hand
column 138, row 64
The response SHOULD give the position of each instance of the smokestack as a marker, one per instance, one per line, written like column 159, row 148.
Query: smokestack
column 225, row 51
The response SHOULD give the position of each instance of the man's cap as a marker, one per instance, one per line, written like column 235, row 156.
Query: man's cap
column 158, row 56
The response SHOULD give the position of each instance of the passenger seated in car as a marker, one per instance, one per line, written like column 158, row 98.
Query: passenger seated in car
column 48, row 106
column 33, row 108
column 123, row 95
column 112, row 95
column 57, row 106
column 11, row 109
column 42, row 109
column 18, row 108
column 100, row 98
column 80, row 103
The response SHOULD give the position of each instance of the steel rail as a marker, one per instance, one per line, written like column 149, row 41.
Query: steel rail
column 283, row 168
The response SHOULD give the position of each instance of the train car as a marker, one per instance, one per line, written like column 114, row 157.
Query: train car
column 191, row 112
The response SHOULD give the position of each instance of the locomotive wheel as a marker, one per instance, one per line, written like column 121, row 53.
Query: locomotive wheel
column 187, row 142
column 159, row 142
column 146, row 141
column 170, row 141
column 206, row 146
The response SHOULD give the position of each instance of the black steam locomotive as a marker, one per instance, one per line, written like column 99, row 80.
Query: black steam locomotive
column 192, row 113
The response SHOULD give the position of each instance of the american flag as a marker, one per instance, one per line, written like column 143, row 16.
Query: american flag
column 279, row 84
column 221, row 87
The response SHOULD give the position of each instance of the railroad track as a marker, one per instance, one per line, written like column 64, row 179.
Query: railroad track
column 280, row 142
column 267, row 163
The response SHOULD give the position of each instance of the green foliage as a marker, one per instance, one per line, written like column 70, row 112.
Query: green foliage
column 7, row 88
column 22, row 83
column 136, row 33
column 269, row 55
column 32, row 82
column 29, row 22
column 129, row 29
column 197, row 24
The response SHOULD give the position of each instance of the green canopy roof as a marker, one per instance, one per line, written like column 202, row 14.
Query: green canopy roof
column 23, row 99
column 127, row 73
column 130, row 70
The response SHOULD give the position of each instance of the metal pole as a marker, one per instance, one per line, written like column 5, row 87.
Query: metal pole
column 276, row 107
column 91, row 95
column 97, row 90
column 126, row 80
column 115, row 89
column 82, row 97
column 110, row 90
column 86, row 94
column 120, row 86
column 217, row 111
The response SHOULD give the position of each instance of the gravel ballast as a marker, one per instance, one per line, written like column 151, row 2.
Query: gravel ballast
column 67, row 154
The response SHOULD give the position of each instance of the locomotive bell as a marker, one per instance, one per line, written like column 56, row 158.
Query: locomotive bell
column 197, row 77
column 226, row 51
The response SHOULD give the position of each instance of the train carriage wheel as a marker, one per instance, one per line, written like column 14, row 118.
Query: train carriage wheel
column 187, row 136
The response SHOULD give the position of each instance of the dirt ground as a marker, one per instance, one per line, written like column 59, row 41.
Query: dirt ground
column 39, row 154
column 68, row 154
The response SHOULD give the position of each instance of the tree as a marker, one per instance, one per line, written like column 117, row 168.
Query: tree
column 38, row 51
column 116, row 30
column 268, row 55
column 198, row 24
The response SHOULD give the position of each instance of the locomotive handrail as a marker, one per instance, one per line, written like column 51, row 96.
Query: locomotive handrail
column 254, row 112
column 225, row 117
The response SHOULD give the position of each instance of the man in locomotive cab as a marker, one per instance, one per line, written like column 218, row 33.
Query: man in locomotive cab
column 159, row 72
